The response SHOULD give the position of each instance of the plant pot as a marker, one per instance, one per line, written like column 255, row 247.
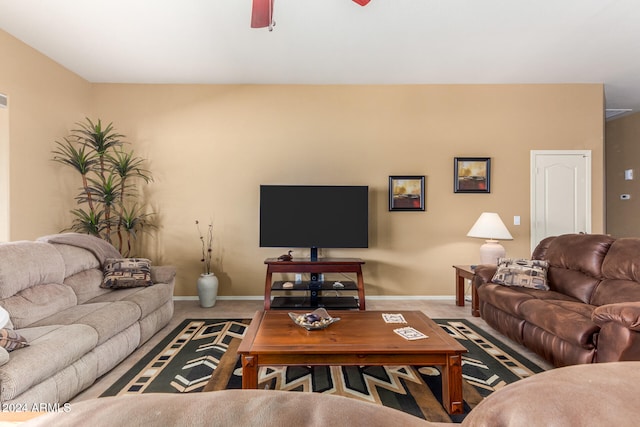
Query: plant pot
column 207, row 289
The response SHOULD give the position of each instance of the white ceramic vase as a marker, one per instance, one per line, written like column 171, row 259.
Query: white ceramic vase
column 207, row 289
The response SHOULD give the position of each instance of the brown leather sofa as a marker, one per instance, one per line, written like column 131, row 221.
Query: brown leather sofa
column 591, row 313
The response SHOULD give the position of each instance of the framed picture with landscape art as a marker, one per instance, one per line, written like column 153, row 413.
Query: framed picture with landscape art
column 472, row 175
column 406, row 193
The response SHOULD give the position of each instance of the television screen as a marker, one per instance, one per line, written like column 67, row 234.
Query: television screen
column 314, row 216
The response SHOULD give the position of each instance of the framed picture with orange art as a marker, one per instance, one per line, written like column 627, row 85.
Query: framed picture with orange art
column 472, row 175
column 406, row 193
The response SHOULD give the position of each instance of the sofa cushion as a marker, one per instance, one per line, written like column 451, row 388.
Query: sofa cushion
column 86, row 284
column 76, row 259
column 117, row 348
column 231, row 408
column 568, row 320
column 504, row 298
column 37, row 302
column 61, row 387
column 575, row 263
column 508, row 299
column 572, row 282
column 25, row 264
column 612, row 291
column 524, row 273
column 622, row 261
column 107, row 319
column 127, row 273
column 155, row 320
column 50, row 350
column 100, row 248
column 579, row 252
column 148, row 299
column 11, row 340
column 621, row 269
column 540, row 251
column 582, row 395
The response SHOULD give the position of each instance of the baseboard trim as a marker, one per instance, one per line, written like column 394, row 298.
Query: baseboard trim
column 371, row 297
column 410, row 297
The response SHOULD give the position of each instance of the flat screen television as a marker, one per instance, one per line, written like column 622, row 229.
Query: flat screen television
column 314, row 216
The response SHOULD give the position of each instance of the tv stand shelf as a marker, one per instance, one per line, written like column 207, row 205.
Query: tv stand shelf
column 342, row 302
column 324, row 286
column 327, row 295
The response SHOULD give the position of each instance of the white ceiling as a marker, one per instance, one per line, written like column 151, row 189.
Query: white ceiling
column 340, row 42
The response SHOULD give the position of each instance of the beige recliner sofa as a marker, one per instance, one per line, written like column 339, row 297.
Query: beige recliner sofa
column 76, row 331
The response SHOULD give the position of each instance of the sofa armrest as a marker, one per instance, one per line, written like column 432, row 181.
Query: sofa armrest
column 626, row 314
column 483, row 274
column 162, row 273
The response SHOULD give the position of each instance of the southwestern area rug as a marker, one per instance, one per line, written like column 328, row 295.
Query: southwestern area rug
column 200, row 355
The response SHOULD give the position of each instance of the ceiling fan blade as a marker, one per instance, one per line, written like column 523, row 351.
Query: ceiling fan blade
column 362, row 2
column 262, row 13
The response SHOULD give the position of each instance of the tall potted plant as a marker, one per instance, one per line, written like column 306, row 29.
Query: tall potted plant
column 107, row 197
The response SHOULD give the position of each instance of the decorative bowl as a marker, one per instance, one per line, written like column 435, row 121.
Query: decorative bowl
column 317, row 319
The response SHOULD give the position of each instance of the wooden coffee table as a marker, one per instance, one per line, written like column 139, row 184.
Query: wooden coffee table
column 360, row 338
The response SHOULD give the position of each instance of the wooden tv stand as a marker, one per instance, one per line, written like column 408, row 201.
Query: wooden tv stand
column 322, row 265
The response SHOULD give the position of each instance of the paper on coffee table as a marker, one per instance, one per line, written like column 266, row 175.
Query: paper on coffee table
column 393, row 318
column 410, row 333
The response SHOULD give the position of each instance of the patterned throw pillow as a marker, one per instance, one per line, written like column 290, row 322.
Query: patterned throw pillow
column 527, row 273
column 126, row 273
column 11, row 340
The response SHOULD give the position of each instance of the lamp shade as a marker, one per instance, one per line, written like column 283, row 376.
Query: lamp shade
column 490, row 226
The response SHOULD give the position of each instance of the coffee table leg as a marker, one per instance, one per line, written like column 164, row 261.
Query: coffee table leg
column 452, row 385
column 249, row 371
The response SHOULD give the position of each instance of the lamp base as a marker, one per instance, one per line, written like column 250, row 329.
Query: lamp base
column 491, row 251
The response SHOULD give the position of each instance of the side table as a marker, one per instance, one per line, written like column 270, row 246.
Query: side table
column 465, row 272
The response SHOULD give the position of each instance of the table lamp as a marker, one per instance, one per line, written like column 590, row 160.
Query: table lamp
column 489, row 226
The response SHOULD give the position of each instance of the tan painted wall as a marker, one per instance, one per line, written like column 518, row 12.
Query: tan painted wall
column 623, row 152
column 45, row 99
column 212, row 146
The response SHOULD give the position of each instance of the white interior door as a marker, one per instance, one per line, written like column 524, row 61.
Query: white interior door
column 560, row 193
